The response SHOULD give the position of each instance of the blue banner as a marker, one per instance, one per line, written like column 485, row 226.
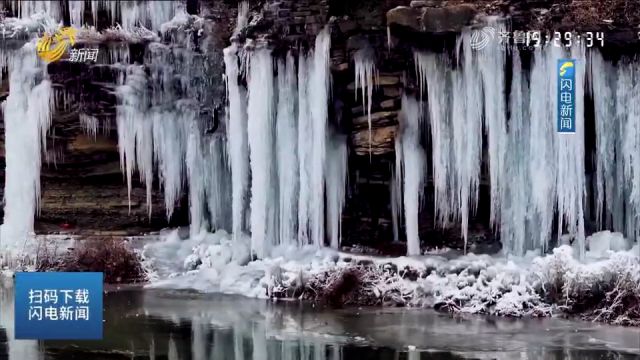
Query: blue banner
column 58, row 305
column 566, row 96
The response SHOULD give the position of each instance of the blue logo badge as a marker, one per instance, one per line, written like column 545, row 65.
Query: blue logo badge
column 566, row 96
column 58, row 305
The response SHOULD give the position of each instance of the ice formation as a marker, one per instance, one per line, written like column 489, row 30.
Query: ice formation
column 304, row 152
column 336, row 186
column 491, row 64
column 27, row 116
column 433, row 70
column 410, row 170
column 236, row 139
column 467, row 132
column 514, row 199
column 127, row 14
column 237, row 146
column 90, row 124
column 537, row 176
column 272, row 163
column 260, row 133
column 318, row 94
column 282, row 169
column 366, row 78
column 162, row 139
column 286, row 148
column 617, row 123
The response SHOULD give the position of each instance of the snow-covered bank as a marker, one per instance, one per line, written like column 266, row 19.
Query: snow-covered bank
column 605, row 287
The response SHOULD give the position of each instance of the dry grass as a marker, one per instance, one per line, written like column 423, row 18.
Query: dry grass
column 111, row 256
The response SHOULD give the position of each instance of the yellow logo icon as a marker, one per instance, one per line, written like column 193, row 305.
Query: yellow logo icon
column 51, row 47
column 565, row 67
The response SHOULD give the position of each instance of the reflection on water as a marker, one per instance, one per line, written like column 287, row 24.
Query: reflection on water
column 179, row 325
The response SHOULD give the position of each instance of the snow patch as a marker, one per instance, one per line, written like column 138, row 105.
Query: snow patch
column 517, row 286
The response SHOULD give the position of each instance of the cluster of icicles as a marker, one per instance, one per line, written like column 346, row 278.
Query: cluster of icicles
column 127, row 14
column 537, row 176
column 279, row 172
column 283, row 139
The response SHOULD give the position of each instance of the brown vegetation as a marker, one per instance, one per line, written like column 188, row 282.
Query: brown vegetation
column 111, row 256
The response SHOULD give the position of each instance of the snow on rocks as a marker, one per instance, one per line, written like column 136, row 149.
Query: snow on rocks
column 605, row 287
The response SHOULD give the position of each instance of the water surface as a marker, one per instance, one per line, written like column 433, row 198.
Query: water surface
column 160, row 324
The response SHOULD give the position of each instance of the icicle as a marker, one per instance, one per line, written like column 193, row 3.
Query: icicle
column 237, row 140
column 313, row 96
column 491, row 62
column 260, row 135
column 243, row 17
column 608, row 140
column 217, row 182
column 304, row 152
column 148, row 14
column 624, row 217
column 395, row 189
column 131, row 12
column 467, row 133
column 172, row 351
column 76, row 11
column 433, row 71
column 286, row 145
column 336, row 184
column 318, row 93
column 629, row 84
column 159, row 12
column 366, row 77
column 169, row 148
column 196, row 176
column 570, row 159
column 542, row 134
column 94, row 12
column 515, row 197
column 118, row 53
column 89, row 124
column 144, row 155
column 27, row 116
column 49, row 7
column 134, row 130
column 412, row 170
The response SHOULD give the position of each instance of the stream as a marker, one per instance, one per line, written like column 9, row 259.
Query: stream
column 161, row 324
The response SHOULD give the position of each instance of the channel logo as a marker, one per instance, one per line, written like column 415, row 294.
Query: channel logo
column 481, row 38
column 51, row 47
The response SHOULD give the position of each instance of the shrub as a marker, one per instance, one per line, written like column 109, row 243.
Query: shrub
column 111, row 256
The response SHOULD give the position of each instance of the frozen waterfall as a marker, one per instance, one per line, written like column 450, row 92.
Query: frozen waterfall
column 536, row 175
column 286, row 146
column 27, row 116
column 260, row 112
column 277, row 167
column 336, row 186
column 410, row 169
column 236, row 139
column 318, row 99
column 615, row 92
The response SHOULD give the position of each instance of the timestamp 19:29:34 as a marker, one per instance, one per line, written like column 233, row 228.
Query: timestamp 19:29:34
column 537, row 39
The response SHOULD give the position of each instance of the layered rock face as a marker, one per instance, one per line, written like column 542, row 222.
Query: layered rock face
column 83, row 186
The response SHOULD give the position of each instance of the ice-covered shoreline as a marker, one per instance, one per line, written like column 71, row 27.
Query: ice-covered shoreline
column 605, row 287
